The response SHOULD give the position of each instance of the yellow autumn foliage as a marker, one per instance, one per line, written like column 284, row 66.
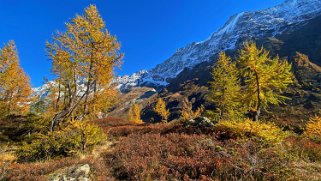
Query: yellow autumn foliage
column 187, row 110
column 160, row 109
column 313, row 128
column 268, row 132
column 86, row 51
column 134, row 114
column 15, row 89
column 77, row 137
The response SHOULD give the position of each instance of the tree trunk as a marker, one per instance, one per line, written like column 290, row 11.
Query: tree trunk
column 86, row 109
column 58, row 98
column 257, row 114
column 67, row 111
column 10, row 103
column 59, row 117
column 258, row 103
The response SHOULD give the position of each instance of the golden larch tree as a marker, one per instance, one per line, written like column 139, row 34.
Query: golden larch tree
column 134, row 114
column 225, row 89
column 160, row 109
column 15, row 89
column 265, row 77
column 187, row 110
column 83, row 59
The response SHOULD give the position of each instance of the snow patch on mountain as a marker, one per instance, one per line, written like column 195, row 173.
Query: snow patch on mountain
column 230, row 24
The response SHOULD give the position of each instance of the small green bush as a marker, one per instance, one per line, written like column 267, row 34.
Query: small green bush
column 77, row 137
column 248, row 129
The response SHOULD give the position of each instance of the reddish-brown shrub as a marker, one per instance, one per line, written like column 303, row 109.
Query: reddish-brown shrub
column 123, row 131
column 304, row 148
column 173, row 151
column 170, row 156
column 111, row 122
column 40, row 170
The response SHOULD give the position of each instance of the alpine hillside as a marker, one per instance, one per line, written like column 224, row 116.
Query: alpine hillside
column 288, row 16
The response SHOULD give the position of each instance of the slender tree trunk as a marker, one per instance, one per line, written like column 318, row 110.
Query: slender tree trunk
column 258, row 103
column 69, row 108
column 58, row 98
column 10, row 103
column 257, row 114
column 70, row 97
column 67, row 111
column 65, row 95
column 58, row 117
column 86, row 108
column 83, row 142
column 95, row 91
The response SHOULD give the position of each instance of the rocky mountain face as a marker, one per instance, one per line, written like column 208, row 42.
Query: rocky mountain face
column 305, row 94
column 288, row 16
column 306, row 39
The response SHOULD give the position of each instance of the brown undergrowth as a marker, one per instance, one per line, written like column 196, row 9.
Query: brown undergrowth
column 175, row 151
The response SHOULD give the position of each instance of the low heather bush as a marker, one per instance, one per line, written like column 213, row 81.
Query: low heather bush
column 194, row 157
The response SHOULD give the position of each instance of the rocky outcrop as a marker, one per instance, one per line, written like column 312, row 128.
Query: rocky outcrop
column 200, row 122
column 75, row 173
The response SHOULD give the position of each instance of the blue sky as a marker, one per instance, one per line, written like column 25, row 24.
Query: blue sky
column 150, row 31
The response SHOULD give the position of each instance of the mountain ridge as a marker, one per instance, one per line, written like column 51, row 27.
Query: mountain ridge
column 290, row 14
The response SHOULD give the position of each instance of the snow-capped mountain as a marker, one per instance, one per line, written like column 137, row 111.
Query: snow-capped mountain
column 243, row 26
column 140, row 78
